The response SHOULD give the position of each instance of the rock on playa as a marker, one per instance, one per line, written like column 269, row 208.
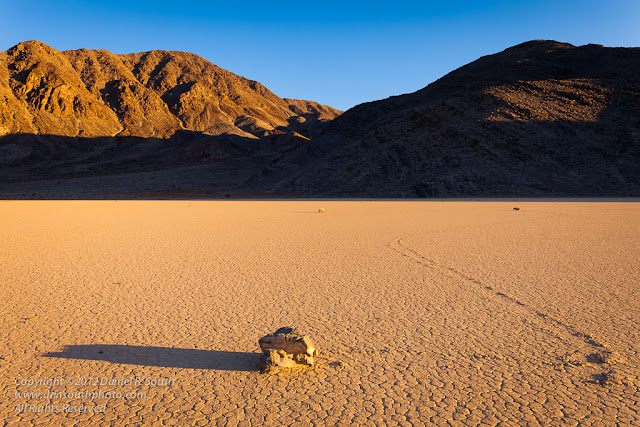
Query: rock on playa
column 286, row 348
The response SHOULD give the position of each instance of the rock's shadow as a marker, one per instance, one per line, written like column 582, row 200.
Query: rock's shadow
column 165, row 357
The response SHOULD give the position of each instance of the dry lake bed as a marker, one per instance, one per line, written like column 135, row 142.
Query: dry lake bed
column 424, row 313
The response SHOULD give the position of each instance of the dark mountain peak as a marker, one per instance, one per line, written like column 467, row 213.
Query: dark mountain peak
column 539, row 118
column 535, row 47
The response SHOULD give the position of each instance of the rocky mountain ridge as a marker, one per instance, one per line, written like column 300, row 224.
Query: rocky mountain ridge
column 540, row 119
column 94, row 93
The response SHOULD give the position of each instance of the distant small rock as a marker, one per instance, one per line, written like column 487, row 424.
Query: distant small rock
column 516, row 208
column 286, row 348
column 611, row 378
column 609, row 357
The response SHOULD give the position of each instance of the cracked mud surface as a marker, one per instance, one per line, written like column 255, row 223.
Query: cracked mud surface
column 424, row 313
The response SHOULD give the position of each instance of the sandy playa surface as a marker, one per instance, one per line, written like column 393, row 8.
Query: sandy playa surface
column 425, row 313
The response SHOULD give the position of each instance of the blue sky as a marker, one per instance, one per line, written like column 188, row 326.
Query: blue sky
column 339, row 53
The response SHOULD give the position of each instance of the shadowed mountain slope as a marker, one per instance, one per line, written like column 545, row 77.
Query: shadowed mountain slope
column 539, row 119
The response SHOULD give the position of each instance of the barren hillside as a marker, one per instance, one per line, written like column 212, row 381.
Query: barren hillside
column 94, row 93
column 540, row 119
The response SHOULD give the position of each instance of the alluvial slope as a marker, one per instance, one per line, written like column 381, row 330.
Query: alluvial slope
column 92, row 93
column 540, row 118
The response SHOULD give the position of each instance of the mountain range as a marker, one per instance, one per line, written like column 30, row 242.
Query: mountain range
column 539, row 119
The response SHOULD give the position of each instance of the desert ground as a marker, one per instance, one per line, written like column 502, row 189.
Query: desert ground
column 424, row 312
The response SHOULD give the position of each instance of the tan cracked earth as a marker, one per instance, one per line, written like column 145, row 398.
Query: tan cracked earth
column 424, row 313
